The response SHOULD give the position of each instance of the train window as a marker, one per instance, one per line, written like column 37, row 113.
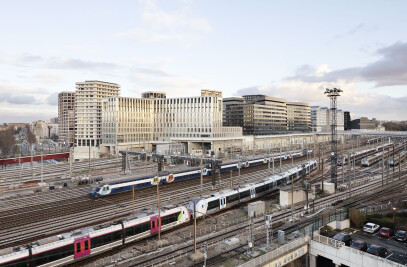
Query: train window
column 78, row 247
column 86, row 244
column 244, row 194
column 213, row 204
column 153, row 224
column 232, row 198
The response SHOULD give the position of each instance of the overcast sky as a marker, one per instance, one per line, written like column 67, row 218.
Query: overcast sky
column 289, row 49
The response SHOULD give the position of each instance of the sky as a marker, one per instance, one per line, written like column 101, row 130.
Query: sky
column 288, row 49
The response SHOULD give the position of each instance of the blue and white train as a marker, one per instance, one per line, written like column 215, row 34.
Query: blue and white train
column 124, row 185
column 228, row 198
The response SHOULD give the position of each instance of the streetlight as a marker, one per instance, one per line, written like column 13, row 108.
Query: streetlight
column 394, row 211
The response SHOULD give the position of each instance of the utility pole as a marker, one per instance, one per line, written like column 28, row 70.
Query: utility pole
column 42, row 166
column 393, row 159
column 133, row 199
column 387, row 166
column 194, row 227
column 201, row 172
column 272, row 158
column 268, row 171
column 322, row 178
column 19, row 163
column 399, row 166
column 32, row 159
column 70, row 162
column 159, row 207
column 280, row 158
column 292, row 200
column 89, row 157
column 382, row 167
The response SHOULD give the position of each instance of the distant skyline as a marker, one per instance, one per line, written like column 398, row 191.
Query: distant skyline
column 288, row 49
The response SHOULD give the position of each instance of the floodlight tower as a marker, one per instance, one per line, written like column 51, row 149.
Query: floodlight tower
column 333, row 95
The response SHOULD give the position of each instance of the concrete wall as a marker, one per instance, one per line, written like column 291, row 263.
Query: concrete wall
column 82, row 152
column 348, row 256
column 299, row 196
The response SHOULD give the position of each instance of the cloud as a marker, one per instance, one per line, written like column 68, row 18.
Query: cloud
column 52, row 99
column 390, row 69
column 19, row 99
column 79, row 64
column 153, row 72
column 158, row 26
column 252, row 90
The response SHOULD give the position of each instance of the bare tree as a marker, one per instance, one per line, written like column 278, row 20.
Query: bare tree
column 357, row 217
column 30, row 137
column 7, row 141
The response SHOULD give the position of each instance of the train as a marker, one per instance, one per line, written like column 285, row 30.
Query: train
column 119, row 186
column 231, row 197
column 343, row 160
column 395, row 161
column 70, row 247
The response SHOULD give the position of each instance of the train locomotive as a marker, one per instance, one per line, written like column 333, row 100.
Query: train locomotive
column 70, row 247
column 124, row 185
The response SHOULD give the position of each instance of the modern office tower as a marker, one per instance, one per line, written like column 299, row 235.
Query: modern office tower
column 88, row 114
column 346, row 120
column 66, row 117
column 321, row 119
column 126, row 121
column 298, row 117
column 258, row 114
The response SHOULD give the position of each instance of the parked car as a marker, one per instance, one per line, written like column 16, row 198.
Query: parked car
column 371, row 228
column 343, row 237
column 359, row 245
column 386, row 232
column 401, row 236
column 377, row 250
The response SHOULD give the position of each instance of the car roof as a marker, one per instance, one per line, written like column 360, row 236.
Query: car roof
column 385, row 228
column 375, row 246
column 370, row 223
column 359, row 241
column 401, row 231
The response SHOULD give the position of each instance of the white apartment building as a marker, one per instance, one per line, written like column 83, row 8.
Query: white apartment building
column 66, row 117
column 321, row 119
column 157, row 119
column 88, row 115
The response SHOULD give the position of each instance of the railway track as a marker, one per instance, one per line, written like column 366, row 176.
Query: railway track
column 372, row 185
column 33, row 221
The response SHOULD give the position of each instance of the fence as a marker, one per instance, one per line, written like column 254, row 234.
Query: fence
column 274, row 254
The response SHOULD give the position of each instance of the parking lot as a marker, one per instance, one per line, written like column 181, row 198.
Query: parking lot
column 397, row 251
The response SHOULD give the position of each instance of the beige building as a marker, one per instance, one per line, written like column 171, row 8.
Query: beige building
column 126, row 121
column 66, row 117
column 155, row 119
column 298, row 117
column 88, row 115
column 257, row 114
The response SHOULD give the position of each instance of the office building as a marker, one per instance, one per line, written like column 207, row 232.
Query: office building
column 257, row 114
column 364, row 124
column 321, row 119
column 66, row 117
column 155, row 119
column 126, row 121
column 298, row 117
column 346, row 120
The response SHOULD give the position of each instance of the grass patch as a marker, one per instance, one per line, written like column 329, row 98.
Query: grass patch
column 400, row 221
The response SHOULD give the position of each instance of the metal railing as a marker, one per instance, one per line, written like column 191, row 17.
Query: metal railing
column 277, row 253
